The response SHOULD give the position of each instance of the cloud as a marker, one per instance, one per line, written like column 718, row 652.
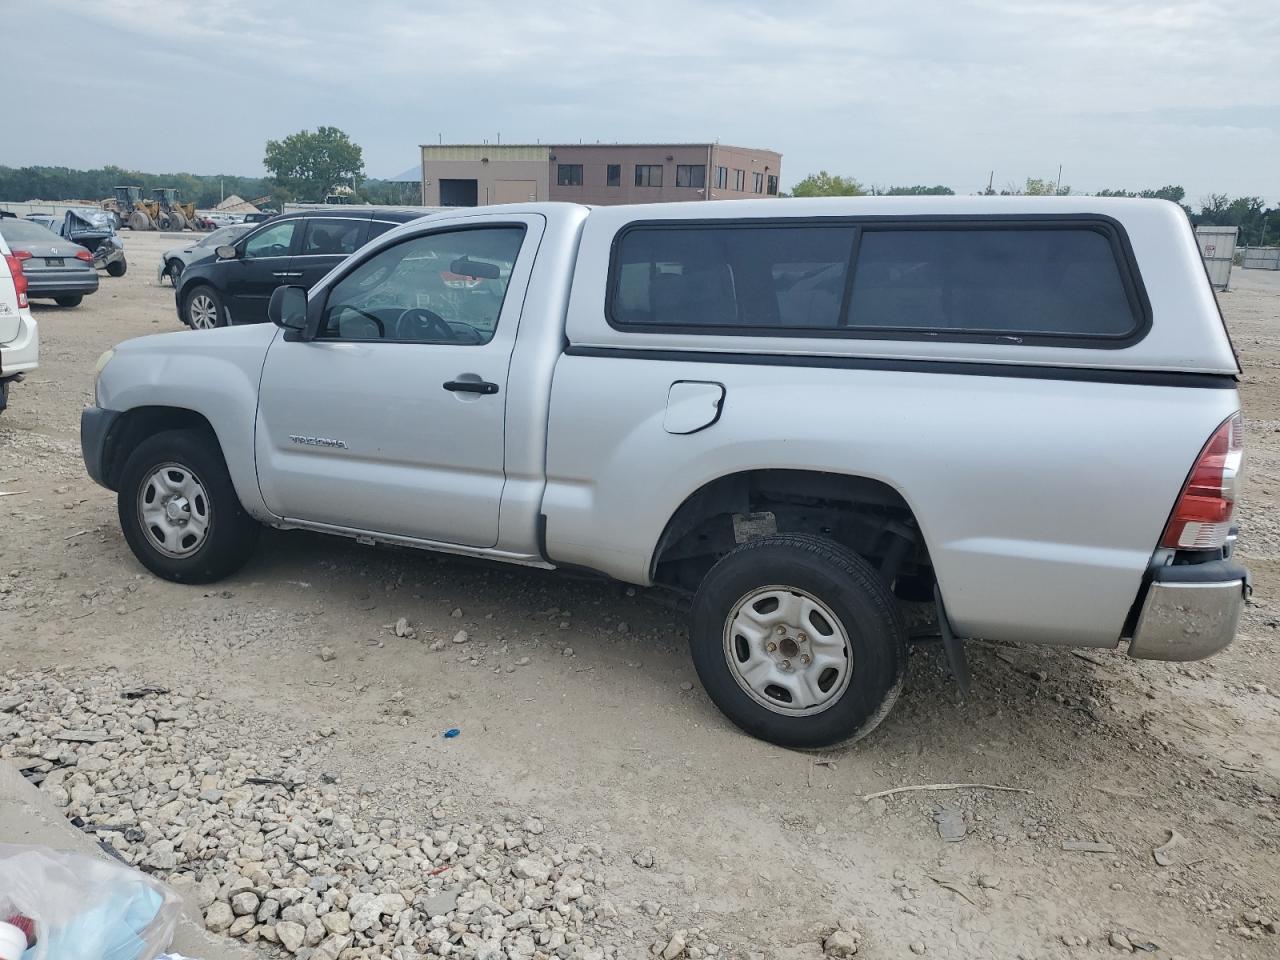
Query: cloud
column 944, row 91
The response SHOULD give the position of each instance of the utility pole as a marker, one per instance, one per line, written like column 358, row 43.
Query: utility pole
column 991, row 177
column 1058, row 186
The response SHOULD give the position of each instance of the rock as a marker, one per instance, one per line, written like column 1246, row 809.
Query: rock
column 328, row 654
column 841, row 943
column 461, row 637
column 533, row 825
column 437, row 905
column 675, row 946
column 219, row 916
column 531, row 868
column 567, row 652
column 1120, row 941
column 918, row 948
column 951, row 825
column 244, row 903
column 144, row 725
column 645, row 859
column 457, row 613
column 291, row 934
column 337, row 922
column 332, row 948
column 402, row 628
column 240, row 926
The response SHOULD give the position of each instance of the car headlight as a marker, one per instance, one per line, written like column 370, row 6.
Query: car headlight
column 97, row 372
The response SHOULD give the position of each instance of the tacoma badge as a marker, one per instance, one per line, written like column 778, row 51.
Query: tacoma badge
column 319, row 442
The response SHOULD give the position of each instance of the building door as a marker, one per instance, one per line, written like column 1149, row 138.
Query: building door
column 458, row 193
column 515, row 191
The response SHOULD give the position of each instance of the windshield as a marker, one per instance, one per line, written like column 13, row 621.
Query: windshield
column 223, row 235
column 24, row 231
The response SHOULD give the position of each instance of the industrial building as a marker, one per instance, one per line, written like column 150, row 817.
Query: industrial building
column 469, row 175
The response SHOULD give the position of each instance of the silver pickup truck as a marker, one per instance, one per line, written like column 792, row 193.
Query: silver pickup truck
column 801, row 413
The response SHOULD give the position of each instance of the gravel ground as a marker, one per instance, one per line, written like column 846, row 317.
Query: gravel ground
column 294, row 777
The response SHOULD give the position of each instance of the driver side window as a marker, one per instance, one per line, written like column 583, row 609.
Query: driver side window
column 444, row 287
column 271, row 242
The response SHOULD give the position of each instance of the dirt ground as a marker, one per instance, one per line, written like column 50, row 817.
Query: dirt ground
column 606, row 736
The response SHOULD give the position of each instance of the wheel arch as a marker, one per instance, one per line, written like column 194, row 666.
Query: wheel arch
column 868, row 515
column 135, row 425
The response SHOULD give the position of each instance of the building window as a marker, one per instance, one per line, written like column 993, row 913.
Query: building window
column 740, row 181
column 757, row 183
column 691, row 175
column 773, row 185
column 568, row 175
column 722, row 178
column 613, row 175
column 648, row 174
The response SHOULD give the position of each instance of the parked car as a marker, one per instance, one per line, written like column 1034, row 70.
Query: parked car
column 19, row 334
column 55, row 268
column 260, row 217
column 1023, row 410
column 176, row 259
column 235, row 285
column 92, row 229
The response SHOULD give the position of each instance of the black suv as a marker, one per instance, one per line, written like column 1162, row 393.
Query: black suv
column 296, row 248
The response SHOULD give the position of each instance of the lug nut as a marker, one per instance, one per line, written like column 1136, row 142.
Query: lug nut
column 781, row 630
column 800, row 638
column 786, row 664
column 771, row 647
column 806, row 659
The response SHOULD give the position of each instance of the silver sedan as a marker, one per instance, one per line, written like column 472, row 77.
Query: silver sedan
column 176, row 259
column 56, row 269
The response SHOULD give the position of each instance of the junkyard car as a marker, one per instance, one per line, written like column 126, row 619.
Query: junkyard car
column 92, row 229
column 55, row 268
column 802, row 414
column 176, row 259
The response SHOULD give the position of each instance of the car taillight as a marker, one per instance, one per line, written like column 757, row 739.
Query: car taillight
column 14, row 260
column 1202, row 517
column 85, row 255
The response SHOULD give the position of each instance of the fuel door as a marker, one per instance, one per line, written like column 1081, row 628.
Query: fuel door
column 693, row 405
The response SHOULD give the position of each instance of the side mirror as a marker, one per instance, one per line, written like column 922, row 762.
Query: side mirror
column 288, row 308
column 227, row 251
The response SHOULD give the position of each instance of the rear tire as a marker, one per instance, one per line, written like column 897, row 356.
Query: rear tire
column 798, row 641
column 179, row 510
column 140, row 220
column 68, row 301
column 117, row 269
column 177, row 220
column 202, row 308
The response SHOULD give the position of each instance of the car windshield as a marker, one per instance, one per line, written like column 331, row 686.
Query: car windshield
column 222, row 235
column 24, row 231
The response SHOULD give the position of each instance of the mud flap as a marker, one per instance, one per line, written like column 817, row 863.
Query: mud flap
column 954, row 646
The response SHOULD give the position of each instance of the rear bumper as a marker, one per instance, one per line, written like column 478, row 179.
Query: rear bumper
column 63, row 286
column 1190, row 612
column 95, row 426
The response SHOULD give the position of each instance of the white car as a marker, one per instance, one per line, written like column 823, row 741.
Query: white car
column 19, row 336
column 800, row 413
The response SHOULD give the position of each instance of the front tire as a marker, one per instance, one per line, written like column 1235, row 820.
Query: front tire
column 179, row 510
column 68, row 301
column 202, row 308
column 173, row 271
column 798, row 641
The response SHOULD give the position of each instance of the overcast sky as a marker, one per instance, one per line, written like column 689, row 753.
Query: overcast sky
column 1122, row 93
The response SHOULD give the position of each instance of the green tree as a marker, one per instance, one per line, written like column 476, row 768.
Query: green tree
column 823, row 184
column 917, row 191
column 309, row 165
column 1036, row 187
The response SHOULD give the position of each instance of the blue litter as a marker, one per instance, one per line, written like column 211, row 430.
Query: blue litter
column 451, row 733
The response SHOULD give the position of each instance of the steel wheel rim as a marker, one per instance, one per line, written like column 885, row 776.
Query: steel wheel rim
column 204, row 315
column 174, row 510
column 788, row 650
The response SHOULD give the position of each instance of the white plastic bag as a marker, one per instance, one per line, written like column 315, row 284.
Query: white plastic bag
column 85, row 908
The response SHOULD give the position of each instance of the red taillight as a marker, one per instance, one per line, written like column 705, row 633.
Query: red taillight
column 85, row 255
column 14, row 260
column 1202, row 517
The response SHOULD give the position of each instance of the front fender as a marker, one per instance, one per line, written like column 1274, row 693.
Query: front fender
column 214, row 373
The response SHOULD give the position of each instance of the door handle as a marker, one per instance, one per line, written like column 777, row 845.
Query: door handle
column 483, row 387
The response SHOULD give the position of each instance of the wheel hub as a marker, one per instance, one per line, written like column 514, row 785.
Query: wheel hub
column 788, row 650
column 174, row 510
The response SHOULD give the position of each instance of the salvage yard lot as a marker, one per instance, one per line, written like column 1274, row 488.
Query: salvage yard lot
column 581, row 724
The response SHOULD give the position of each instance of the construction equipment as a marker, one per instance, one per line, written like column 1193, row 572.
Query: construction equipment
column 171, row 215
column 162, row 211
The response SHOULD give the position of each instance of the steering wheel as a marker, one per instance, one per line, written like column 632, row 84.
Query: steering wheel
column 419, row 323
